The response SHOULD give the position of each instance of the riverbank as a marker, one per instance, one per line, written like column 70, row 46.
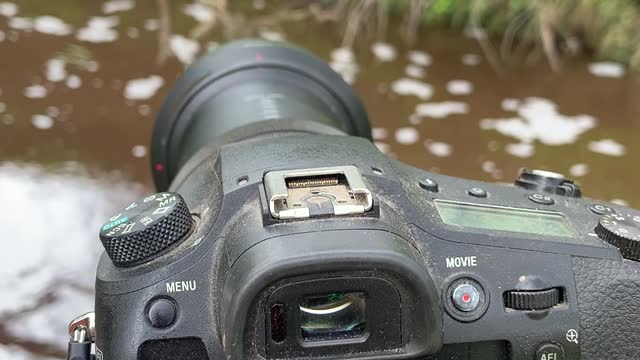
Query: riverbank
column 606, row 30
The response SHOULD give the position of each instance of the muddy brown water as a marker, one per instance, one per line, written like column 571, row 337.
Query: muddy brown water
column 80, row 83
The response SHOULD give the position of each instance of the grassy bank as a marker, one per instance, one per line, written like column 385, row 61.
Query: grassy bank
column 606, row 29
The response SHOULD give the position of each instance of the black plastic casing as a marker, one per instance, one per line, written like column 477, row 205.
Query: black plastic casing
column 238, row 260
column 238, row 255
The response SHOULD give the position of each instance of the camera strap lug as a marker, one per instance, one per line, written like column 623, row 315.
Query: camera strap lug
column 83, row 334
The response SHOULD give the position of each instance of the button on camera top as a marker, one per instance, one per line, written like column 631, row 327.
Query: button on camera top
column 429, row 185
column 542, row 199
column 550, row 351
column 477, row 192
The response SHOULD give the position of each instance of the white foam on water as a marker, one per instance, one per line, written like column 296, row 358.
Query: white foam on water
column 441, row 110
column 383, row 147
column 55, row 70
column 459, row 87
column 200, row 12
column 412, row 87
column 42, row 122
column 35, row 92
column 383, row 51
column 133, row 32
column 414, row 71
column 607, row 69
column 379, row 133
column 56, row 259
column 578, row 170
column 272, row 35
column 151, row 24
column 2, row 36
column 8, row 119
column 3, row 107
column 14, row 352
column 112, row 6
column 407, row 135
column 475, row 33
column 538, row 119
column 343, row 62
column 99, row 29
column 521, row 150
column 185, row 49
column 21, row 23
column 144, row 88
column 620, row 202
column 420, row 58
column 92, row 66
column 8, row 9
column 53, row 111
column 139, row 151
column 144, row 110
column 73, row 82
column 510, row 104
column 488, row 166
column 51, row 25
column 607, row 147
column 471, row 59
column 438, row 148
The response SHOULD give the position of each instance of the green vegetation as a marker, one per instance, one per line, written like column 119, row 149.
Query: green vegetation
column 608, row 29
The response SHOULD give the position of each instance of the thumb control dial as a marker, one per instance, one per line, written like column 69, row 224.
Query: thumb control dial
column 145, row 229
column 623, row 232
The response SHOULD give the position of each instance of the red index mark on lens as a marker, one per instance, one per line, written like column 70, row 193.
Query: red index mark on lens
column 159, row 167
column 258, row 57
column 466, row 297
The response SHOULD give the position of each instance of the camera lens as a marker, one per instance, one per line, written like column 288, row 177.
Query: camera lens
column 333, row 316
column 248, row 89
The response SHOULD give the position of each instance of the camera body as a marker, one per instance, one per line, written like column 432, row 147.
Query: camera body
column 293, row 240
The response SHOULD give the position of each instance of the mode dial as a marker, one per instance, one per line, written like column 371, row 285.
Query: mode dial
column 540, row 180
column 145, row 228
column 532, row 300
column 623, row 232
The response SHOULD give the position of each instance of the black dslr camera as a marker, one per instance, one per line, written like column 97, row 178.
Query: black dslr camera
column 281, row 232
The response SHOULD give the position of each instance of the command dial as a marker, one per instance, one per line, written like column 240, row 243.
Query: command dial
column 145, row 228
column 622, row 231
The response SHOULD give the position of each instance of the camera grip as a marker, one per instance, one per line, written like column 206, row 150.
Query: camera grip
column 609, row 304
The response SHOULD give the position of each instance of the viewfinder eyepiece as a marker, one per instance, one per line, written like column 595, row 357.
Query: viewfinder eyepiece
column 334, row 316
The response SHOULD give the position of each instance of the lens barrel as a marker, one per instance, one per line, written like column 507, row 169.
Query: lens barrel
column 247, row 89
